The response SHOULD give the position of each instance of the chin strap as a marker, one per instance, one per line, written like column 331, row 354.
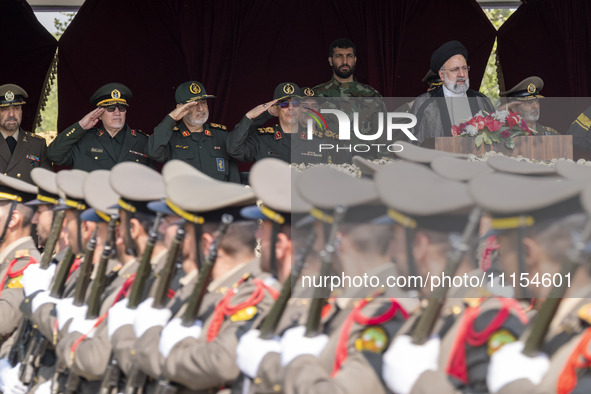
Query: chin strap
column 8, row 218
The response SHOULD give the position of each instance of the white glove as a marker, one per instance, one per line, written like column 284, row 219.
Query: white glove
column 119, row 316
column 404, row 362
column 174, row 332
column 148, row 317
column 9, row 381
column 294, row 344
column 45, row 388
column 83, row 326
column 35, row 279
column 251, row 350
column 41, row 299
column 509, row 364
column 66, row 310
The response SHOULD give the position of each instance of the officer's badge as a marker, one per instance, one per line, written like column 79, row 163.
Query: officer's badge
column 175, row 128
column 208, row 133
column 133, row 133
column 373, row 339
column 309, row 92
column 19, row 254
column 584, row 313
column 278, row 135
column 97, row 150
column 115, row 94
column 15, row 283
column 195, row 88
column 288, row 88
column 499, row 339
column 217, row 147
column 32, row 157
column 186, row 133
column 9, row 96
column 220, row 164
column 531, row 88
column 244, row 314
column 100, row 133
column 303, row 135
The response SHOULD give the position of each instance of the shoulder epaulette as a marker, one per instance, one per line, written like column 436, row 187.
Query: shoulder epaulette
column 134, row 132
column 266, row 130
column 21, row 253
column 34, row 135
column 219, row 126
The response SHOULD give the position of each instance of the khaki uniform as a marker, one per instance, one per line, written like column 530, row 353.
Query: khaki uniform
column 30, row 152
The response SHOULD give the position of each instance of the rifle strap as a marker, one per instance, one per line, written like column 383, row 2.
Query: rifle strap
column 579, row 359
column 75, row 266
column 14, row 274
column 224, row 308
column 357, row 317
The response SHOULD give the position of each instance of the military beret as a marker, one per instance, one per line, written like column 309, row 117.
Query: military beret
column 444, row 52
column 111, row 94
column 11, row 94
column 70, row 185
column 47, row 185
column 286, row 90
column 100, row 195
column 136, row 185
column 190, row 91
column 528, row 89
column 16, row 190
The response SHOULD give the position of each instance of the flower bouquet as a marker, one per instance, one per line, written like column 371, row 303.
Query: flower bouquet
column 495, row 127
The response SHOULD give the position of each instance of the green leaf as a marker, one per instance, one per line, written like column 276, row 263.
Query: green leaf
column 494, row 137
column 486, row 138
column 478, row 140
column 509, row 143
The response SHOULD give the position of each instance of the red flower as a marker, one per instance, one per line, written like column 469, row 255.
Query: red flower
column 492, row 124
column 512, row 119
column 525, row 127
column 505, row 133
column 455, row 131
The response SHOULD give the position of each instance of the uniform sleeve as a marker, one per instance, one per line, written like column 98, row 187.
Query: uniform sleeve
column 60, row 150
column 44, row 160
column 10, row 302
column 147, row 356
column 430, row 379
column 158, row 148
column 122, row 342
column 269, row 374
column 242, row 143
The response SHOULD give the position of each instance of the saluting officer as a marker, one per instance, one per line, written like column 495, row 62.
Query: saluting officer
column 184, row 134
column 86, row 147
column 20, row 151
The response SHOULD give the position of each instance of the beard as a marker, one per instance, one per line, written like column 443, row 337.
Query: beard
column 455, row 87
column 198, row 120
column 343, row 72
column 12, row 127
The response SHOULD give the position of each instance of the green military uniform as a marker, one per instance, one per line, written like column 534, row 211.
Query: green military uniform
column 334, row 88
column 30, row 150
column 579, row 129
column 204, row 150
column 95, row 148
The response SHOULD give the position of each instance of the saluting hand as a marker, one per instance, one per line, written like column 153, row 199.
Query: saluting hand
column 259, row 109
column 181, row 110
column 91, row 118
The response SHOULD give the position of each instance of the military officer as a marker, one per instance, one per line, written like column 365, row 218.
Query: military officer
column 20, row 151
column 184, row 134
column 524, row 98
column 86, row 147
column 249, row 143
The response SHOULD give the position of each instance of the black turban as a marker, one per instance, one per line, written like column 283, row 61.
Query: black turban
column 444, row 52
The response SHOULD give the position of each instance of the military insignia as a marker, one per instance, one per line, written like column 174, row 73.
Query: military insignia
column 115, row 94
column 499, row 339
column 288, row 88
column 373, row 339
column 138, row 153
column 21, row 253
column 220, row 164
column 264, row 130
column 175, row 128
column 97, row 150
column 182, row 146
column 207, row 132
column 309, row 92
column 32, row 157
column 15, row 283
column 133, row 133
column 9, row 96
column 217, row 147
column 303, row 135
column 531, row 88
column 219, row 126
column 584, row 313
column 278, row 135
column 244, row 314
column 186, row 133
column 194, row 88
column 472, row 302
column 100, row 133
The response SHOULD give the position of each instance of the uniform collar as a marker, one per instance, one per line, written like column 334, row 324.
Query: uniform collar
column 15, row 135
column 21, row 243
column 188, row 278
column 252, row 267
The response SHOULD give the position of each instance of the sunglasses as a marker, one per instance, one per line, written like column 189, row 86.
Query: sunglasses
column 285, row 104
column 112, row 108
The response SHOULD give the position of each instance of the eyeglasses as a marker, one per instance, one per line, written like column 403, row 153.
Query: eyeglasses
column 456, row 70
column 112, row 108
column 285, row 104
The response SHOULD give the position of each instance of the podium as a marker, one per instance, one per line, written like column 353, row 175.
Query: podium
column 538, row 147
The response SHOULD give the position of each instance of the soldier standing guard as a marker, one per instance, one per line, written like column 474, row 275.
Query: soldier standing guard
column 86, row 147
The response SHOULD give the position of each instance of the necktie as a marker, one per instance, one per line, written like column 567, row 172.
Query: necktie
column 11, row 143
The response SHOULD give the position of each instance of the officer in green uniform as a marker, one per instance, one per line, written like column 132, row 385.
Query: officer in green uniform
column 86, row 147
column 524, row 99
column 20, row 151
column 249, row 142
column 201, row 144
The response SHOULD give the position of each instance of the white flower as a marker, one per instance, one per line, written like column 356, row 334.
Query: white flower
column 501, row 116
column 471, row 130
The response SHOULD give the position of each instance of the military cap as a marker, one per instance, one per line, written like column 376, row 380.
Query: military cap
column 70, row 185
column 47, row 187
column 444, row 52
column 586, row 199
column 111, row 94
column 573, row 171
column 528, row 89
column 513, row 166
column 136, row 185
column 411, row 152
column 432, row 79
column 13, row 189
column 286, row 90
column 11, row 94
column 367, row 167
column 174, row 168
column 190, row 91
column 308, row 92
column 100, row 195
column 459, row 170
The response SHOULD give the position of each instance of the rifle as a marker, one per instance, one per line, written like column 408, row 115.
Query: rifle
column 196, row 298
column 85, row 270
column 536, row 332
column 271, row 321
column 321, row 293
column 19, row 348
column 112, row 375
column 429, row 315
